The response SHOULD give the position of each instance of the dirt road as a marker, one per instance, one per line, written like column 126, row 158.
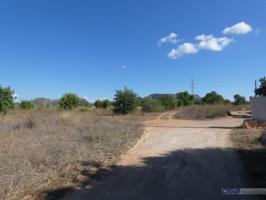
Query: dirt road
column 175, row 159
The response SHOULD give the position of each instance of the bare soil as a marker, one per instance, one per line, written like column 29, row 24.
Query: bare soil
column 182, row 159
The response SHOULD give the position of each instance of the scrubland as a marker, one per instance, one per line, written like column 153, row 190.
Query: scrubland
column 207, row 111
column 37, row 146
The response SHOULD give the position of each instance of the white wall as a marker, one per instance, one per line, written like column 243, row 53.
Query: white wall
column 258, row 108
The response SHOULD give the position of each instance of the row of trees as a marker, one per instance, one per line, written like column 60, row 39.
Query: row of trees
column 127, row 101
column 168, row 102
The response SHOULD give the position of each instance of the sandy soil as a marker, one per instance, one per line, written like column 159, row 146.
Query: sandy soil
column 175, row 159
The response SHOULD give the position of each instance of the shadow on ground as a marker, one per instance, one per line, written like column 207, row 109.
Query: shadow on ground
column 196, row 127
column 184, row 174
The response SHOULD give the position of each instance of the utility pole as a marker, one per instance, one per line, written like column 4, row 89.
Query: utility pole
column 192, row 86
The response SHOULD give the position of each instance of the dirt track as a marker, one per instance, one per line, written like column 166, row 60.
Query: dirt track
column 175, row 159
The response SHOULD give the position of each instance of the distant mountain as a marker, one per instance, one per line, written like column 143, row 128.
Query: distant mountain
column 157, row 95
column 197, row 97
column 44, row 102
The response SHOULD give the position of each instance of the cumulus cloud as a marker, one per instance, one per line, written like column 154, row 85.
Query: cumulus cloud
column 206, row 42
column 209, row 42
column 239, row 28
column 171, row 38
column 185, row 48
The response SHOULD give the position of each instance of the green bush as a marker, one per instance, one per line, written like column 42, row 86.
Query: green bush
column 239, row 100
column 227, row 102
column 103, row 104
column 125, row 101
column 98, row 104
column 106, row 103
column 184, row 99
column 84, row 103
column 6, row 99
column 167, row 101
column 26, row 105
column 69, row 101
column 152, row 105
column 213, row 98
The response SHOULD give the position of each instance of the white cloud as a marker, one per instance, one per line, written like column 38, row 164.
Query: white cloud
column 209, row 42
column 239, row 28
column 185, row 48
column 205, row 42
column 171, row 38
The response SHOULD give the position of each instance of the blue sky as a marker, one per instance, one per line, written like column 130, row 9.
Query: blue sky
column 94, row 47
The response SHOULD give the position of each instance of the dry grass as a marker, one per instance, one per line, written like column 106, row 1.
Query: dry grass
column 36, row 147
column 206, row 111
column 252, row 154
column 246, row 138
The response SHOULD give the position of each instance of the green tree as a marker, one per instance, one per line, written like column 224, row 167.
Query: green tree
column 6, row 99
column 69, row 101
column 167, row 101
column 26, row 105
column 125, row 101
column 84, row 102
column 239, row 100
column 261, row 91
column 227, row 101
column 213, row 98
column 98, row 104
column 152, row 105
column 184, row 99
column 106, row 103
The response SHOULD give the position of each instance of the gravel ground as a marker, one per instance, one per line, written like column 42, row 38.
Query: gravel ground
column 176, row 159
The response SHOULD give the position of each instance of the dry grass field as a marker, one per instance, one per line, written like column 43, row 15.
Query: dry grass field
column 207, row 111
column 38, row 146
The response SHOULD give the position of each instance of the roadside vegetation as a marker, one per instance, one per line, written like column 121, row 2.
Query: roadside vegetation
column 125, row 101
column 251, row 142
column 44, row 140
column 37, row 147
column 189, row 106
column 26, row 105
column 251, row 151
column 6, row 99
column 207, row 111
